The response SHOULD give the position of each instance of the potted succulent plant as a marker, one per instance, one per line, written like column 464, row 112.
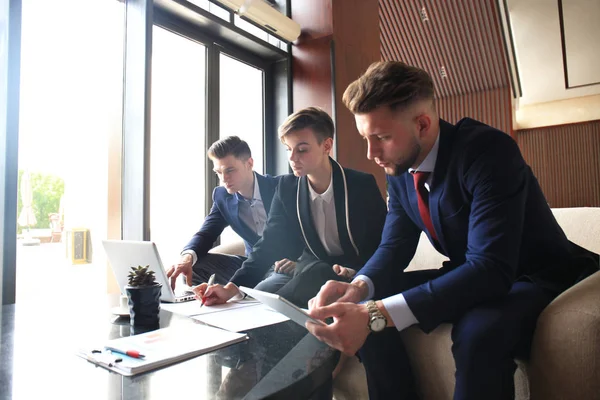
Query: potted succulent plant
column 143, row 294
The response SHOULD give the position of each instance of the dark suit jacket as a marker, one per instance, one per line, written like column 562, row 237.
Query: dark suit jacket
column 224, row 212
column 491, row 219
column 290, row 231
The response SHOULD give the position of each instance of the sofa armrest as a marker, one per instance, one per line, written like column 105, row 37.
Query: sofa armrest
column 234, row 248
column 565, row 355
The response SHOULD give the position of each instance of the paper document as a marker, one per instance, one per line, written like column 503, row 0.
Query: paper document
column 160, row 347
column 242, row 319
column 192, row 308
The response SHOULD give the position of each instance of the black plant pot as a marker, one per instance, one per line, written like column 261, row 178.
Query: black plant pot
column 144, row 305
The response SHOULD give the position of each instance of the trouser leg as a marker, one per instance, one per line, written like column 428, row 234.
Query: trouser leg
column 487, row 338
column 305, row 285
column 222, row 265
column 273, row 281
column 388, row 370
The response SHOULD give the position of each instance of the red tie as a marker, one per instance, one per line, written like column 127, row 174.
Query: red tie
column 423, row 198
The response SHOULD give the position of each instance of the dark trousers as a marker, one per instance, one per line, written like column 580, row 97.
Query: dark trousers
column 307, row 282
column 485, row 341
column 222, row 265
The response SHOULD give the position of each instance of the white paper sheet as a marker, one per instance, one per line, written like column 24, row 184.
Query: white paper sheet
column 190, row 308
column 243, row 319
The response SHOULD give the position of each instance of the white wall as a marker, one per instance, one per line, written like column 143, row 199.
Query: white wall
column 536, row 33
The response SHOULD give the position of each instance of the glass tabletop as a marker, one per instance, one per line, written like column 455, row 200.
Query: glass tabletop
column 38, row 358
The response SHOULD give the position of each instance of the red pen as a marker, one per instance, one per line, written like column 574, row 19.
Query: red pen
column 130, row 353
column 210, row 282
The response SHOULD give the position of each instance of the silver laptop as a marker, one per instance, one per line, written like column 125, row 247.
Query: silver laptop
column 124, row 254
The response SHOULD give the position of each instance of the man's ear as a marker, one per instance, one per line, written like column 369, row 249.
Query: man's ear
column 250, row 162
column 328, row 145
column 423, row 123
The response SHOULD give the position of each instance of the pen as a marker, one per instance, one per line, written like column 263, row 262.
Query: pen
column 211, row 281
column 130, row 353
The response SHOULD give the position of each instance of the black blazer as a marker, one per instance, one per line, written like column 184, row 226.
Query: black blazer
column 225, row 212
column 360, row 214
column 491, row 219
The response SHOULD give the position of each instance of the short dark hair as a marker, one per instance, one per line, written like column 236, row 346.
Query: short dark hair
column 388, row 83
column 312, row 117
column 230, row 146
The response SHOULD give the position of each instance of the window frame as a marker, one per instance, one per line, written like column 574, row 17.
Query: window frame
column 215, row 46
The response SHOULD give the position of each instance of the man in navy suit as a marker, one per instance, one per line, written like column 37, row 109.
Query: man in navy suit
column 242, row 202
column 468, row 187
column 327, row 214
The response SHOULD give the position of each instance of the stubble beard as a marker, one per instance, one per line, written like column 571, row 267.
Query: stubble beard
column 403, row 166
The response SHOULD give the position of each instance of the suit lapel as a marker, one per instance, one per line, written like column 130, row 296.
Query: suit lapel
column 264, row 187
column 236, row 223
column 339, row 195
column 439, row 177
column 310, row 231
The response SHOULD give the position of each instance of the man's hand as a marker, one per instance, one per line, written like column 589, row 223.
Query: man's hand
column 344, row 272
column 183, row 267
column 349, row 329
column 215, row 294
column 334, row 291
column 285, row 266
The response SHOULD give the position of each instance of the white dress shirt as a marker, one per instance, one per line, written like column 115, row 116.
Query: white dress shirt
column 322, row 207
column 251, row 211
column 396, row 305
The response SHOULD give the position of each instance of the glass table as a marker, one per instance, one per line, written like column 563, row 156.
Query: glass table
column 38, row 359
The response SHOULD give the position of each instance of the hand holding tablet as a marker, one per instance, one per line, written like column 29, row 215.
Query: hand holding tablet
column 281, row 305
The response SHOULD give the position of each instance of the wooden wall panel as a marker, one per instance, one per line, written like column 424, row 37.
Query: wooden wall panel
column 463, row 36
column 493, row 107
column 320, row 75
column 356, row 45
column 566, row 161
column 311, row 74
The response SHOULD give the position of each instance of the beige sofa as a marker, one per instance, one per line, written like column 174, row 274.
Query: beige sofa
column 565, row 359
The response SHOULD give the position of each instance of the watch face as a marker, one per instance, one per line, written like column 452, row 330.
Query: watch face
column 378, row 324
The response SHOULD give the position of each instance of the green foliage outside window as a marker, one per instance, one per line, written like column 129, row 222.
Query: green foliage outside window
column 47, row 191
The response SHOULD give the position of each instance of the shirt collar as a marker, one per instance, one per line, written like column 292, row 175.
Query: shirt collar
column 255, row 196
column 428, row 164
column 327, row 195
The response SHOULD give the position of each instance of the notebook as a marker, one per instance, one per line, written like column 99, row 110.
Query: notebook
column 124, row 254
column 159, row 348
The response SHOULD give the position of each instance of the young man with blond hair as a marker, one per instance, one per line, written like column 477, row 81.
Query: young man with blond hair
column 325, row 213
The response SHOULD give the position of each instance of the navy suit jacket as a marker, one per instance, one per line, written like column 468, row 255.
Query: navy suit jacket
column 224, row 213
column 492, row 222
column 290, row 231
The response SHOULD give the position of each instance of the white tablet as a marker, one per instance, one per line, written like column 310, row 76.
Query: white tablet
column 281, row 305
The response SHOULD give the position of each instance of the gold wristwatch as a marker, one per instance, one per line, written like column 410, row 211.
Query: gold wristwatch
column 377, row 321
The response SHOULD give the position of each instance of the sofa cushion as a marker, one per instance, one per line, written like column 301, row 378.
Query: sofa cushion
column 426, row 256
column 581, row 225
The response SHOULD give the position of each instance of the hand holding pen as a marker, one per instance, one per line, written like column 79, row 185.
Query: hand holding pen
column 218, row 294
column 211, row 281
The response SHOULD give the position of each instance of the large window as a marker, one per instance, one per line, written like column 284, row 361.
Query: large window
column 70, row 112
column 241, row 105
column 82, row 177
column 201, row 91
column 178, row 141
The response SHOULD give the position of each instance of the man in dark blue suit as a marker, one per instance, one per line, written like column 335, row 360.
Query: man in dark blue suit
column 242, row 202
column 318, row 213
column 468, row 187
